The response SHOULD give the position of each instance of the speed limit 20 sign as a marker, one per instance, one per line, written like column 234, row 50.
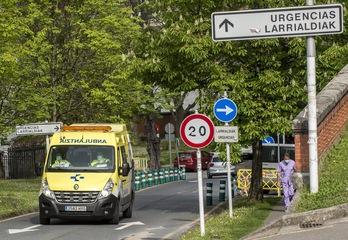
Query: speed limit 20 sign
column 197, row 130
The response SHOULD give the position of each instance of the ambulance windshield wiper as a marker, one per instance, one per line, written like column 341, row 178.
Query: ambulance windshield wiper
column 88, row 170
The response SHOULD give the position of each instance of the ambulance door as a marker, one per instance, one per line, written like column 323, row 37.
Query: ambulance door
column 126, row 180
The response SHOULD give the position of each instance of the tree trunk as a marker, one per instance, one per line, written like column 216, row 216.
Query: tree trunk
column 181, row 114
column 255, row 192
column 153, row 142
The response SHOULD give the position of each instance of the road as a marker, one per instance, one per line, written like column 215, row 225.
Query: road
column 161, row 212
column 333, row 230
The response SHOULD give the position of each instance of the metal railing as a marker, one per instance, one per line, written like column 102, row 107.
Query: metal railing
column 269, row 180
column 140, row 164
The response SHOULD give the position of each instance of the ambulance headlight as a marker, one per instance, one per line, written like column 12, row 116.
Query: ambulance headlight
column 46, row 189
column 109, row 186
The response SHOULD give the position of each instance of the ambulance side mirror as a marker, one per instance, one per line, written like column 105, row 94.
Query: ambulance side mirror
column 38, row 169
column 124, row 170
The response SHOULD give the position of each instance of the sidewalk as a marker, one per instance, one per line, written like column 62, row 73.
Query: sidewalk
column 277, row 212
column 279, row 218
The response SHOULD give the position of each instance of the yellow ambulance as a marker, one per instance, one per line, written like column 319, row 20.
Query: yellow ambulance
column 88, row 174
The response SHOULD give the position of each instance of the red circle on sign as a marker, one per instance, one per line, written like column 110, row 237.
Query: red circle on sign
column 197, row 130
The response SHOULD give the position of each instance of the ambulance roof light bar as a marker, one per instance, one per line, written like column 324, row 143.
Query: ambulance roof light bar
column 85, row 128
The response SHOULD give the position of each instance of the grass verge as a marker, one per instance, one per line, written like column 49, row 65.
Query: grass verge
column 18, row 197
column 247, row 217
column 333, row 180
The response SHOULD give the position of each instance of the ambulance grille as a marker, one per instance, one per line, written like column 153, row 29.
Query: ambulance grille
column 76, row 197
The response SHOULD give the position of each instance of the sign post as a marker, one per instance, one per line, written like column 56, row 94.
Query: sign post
column 169, row 128
column 225, row 110
column 312, row 113
column 197, row 131
column 309, row 21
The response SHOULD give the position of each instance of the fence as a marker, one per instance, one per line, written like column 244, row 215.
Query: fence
column 140, row 164
column 269, row 180
column 23, row 163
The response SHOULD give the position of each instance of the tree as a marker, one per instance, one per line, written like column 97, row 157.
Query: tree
column 11, row 90
column 150, row 113
column 265, row 78
column 73, row 63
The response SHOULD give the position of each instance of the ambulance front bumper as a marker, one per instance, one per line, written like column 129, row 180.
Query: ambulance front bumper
column 101, row 209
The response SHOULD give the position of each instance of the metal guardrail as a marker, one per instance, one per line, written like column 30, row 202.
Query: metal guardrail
column 269, row 180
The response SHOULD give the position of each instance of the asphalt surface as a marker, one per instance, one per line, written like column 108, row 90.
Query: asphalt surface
column 166, row 211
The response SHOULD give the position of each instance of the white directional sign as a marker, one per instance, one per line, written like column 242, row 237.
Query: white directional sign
column 226, row 134
column 39, row 129
column 278, row 22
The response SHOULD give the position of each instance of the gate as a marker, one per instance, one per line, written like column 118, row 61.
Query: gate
column 24, row 163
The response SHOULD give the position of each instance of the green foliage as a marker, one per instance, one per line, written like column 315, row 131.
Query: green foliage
column 333, row 181
column 265, row 78
column 68, row 62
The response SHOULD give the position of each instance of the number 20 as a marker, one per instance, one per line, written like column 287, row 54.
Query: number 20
column 201, row 130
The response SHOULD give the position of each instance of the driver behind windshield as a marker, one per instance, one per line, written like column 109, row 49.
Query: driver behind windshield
column 100, row 159
column 60, row 162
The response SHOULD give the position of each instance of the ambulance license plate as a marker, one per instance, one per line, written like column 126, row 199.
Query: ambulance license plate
column 75, row 208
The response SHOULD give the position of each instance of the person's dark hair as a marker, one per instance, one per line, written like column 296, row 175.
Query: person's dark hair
column 286, row 155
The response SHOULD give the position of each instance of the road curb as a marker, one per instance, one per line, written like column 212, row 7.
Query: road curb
column 192, row 225
column 310, row 217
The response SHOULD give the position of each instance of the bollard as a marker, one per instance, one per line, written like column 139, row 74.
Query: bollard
column 161, row 176
column 222, row 190
column 232, row 187
column 236, row 190
column 235, row 185
column 143, row 180
column 149, row 178
column 166, row 175
column 176, row 176
column 155, row 177
column 183, row 174
column 171, row 175
column 209, row 197
column 137, row 182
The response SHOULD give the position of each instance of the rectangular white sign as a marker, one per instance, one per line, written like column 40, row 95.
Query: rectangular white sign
column 278, row 22
column 39, row 129
column 226, row 134
column 172, row 137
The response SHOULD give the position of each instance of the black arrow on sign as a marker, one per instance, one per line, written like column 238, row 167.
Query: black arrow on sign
column 226, row 23
column 57, row 128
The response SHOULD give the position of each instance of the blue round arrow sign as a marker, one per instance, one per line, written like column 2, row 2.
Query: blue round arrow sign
column 225, row 110
column 269, row 139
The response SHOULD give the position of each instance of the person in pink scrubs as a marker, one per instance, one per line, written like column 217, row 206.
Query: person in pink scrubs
column 285, row 169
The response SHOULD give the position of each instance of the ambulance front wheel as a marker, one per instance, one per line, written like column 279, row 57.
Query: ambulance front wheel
column 116, row 218
column 45, row 221
column 129, row 211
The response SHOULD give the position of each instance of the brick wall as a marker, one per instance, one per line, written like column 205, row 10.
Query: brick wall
column 332, row 119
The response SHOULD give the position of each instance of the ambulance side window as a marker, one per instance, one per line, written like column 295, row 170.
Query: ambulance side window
column 119, row 158
column 122, row 158
column 122, row 155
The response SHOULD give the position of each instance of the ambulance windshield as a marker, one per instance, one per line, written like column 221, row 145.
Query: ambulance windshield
column 81, row 158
